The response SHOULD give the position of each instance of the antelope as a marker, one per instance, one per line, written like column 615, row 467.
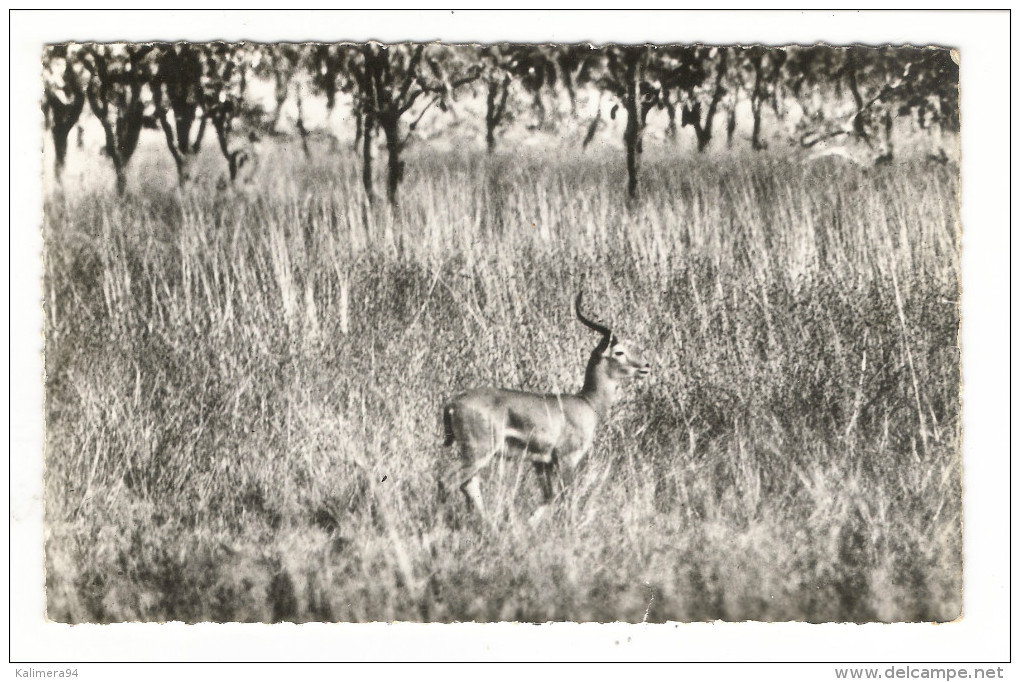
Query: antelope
column 553, row 430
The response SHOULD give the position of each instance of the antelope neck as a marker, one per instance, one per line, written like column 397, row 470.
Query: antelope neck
column 597, row 392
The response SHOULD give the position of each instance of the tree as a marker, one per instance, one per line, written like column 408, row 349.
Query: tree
column 327, row 64
column 812, row 75
column 930, row 92
column 223, row 96
column 702, row 92
column 279, row 63
column 637, row 76
column 883, row 83
column 118, row 96
column 625, row 77
column 390, row 80
column 537, row 68
column 534, row 66
column 888, row 81
column 762, row 68
column 289, row 66
column 541, row 68
column 577, row 66
column 177, row 88
column 332, row 70
column 498, row 64
column 63, row 98
column 876, row 85
column 809, row 73
column 857, row 67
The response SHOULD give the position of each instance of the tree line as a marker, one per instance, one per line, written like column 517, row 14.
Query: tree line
column 184, row 89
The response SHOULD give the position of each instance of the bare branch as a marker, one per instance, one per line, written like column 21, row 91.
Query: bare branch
column 411, row 76
column 414, row 123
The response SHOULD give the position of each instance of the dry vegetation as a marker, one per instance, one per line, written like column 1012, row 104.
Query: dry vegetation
column 243, row 392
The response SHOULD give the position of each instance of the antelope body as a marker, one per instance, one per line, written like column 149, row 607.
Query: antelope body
column 554, row 430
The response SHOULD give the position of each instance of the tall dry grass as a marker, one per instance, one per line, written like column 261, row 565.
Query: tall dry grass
column 243, row 392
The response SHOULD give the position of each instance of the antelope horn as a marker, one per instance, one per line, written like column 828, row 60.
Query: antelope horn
column 607, row 333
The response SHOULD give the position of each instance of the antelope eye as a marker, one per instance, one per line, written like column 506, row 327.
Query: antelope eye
column 618, row 353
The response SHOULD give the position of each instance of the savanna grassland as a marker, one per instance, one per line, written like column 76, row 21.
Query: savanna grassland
column 243, row 391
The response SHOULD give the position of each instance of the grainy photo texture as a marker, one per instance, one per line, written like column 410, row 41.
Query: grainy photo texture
column 431, row 332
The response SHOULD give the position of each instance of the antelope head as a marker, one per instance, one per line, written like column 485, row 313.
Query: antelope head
column 613, row 359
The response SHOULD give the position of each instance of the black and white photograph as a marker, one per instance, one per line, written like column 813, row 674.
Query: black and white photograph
column 500, row 331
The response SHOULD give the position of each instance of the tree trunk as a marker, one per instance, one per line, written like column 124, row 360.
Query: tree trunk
column 567, row 78
column 490, row 118
column 490, row 138
column 182, row 173
column 539, row 106
column 632, row 133
column 757, row 98
column 756, row 142
column 121, row 178
column 244, row 81
column 495, row 107
column 671, row 112
column 59, row 150
column 494, row 200
column 177, row 141
column 859, row 119
column 183, row 162
column 632, row 138
column 132, row 127
column 121, row 128
column 889, row 132
column 367, row 128
column 887, row 129
column 334, row 139
column 62, row 118
column 113, row 150
column 221, row 124
column 395, row 173
column 282, row 86
column 704, row 137
column 731, row 126
column 395, row 167
column 705, row 131
column 568, row 82
column 302, row 131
